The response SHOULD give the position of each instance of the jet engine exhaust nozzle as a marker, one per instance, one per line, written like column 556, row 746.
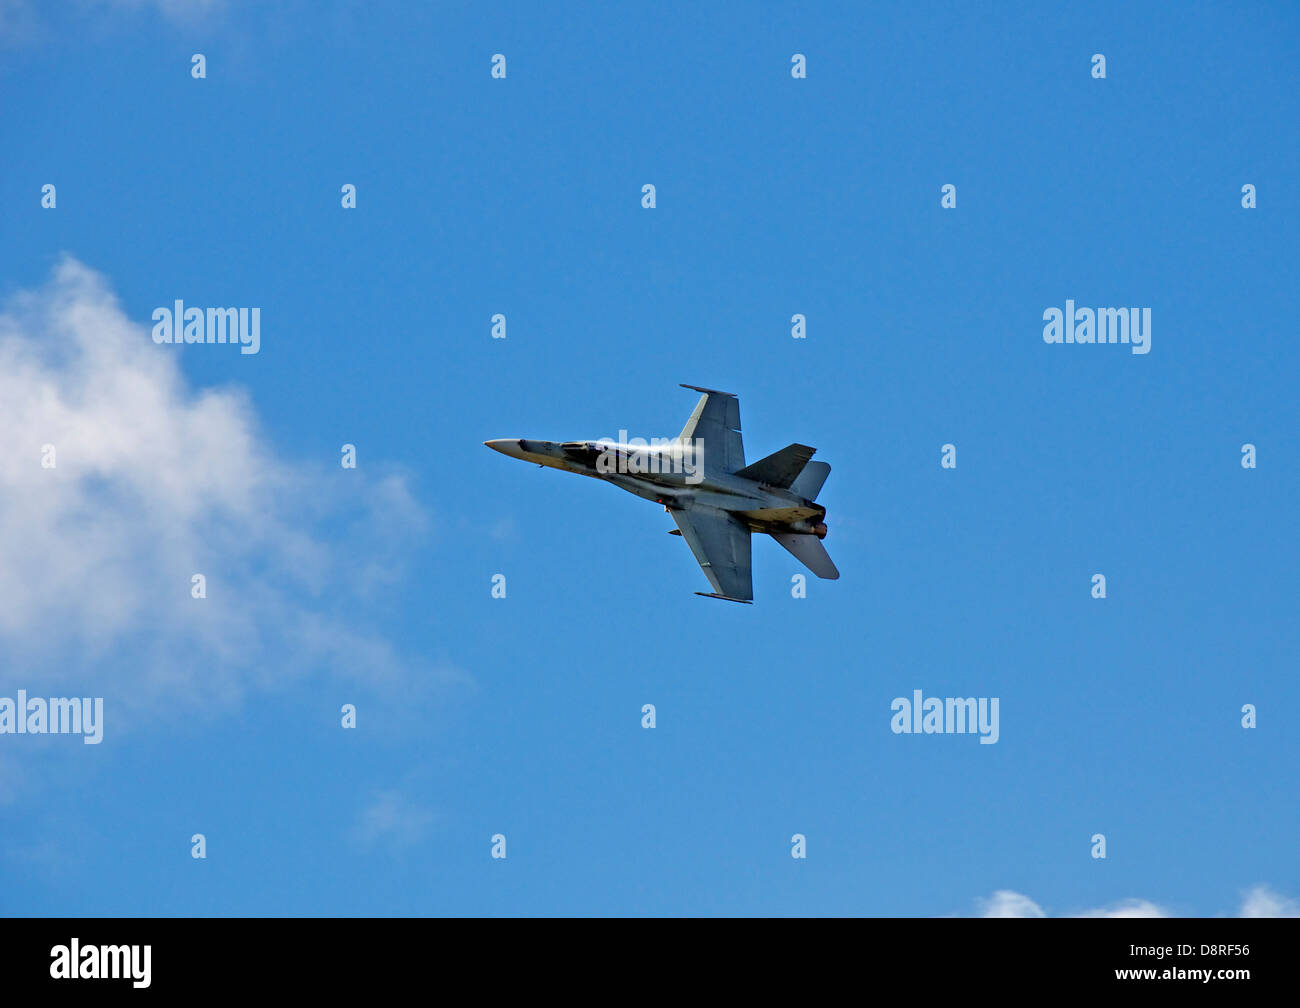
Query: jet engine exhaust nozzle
column 805, row 527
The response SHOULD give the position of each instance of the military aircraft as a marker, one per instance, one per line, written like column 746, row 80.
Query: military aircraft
column 701, row 479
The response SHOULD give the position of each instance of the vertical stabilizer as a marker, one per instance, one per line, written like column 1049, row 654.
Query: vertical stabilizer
column 716, row 422
column 809, row 483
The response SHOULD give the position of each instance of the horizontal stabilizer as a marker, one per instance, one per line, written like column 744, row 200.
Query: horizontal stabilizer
column 726, row 598
column 809, row 483
column 780, row 469
column 810, row 552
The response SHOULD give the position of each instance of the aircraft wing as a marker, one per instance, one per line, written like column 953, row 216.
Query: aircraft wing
column 721, row 546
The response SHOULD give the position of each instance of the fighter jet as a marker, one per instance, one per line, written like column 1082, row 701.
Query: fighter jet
column 701, row 479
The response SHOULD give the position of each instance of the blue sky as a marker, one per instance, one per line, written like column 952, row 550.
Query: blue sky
column 521, row 716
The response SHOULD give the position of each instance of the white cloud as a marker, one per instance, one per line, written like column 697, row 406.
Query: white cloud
column 1127, row 908
column 1260, row 901
column 1006, row 903
column 157, row 481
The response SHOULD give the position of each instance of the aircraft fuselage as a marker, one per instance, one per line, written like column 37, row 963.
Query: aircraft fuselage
column 668, row 475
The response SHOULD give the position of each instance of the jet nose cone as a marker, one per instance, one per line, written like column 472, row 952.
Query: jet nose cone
column 506, row 446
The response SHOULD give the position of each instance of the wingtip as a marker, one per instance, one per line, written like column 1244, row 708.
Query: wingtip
column 725, row 598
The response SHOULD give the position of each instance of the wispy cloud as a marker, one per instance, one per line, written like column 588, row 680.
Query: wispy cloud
column 1260, row 901
column 180, row 11
column 19, row 24
column 1126, row 908
column 391, row 820
column 27, row 22
column 1005, row 903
